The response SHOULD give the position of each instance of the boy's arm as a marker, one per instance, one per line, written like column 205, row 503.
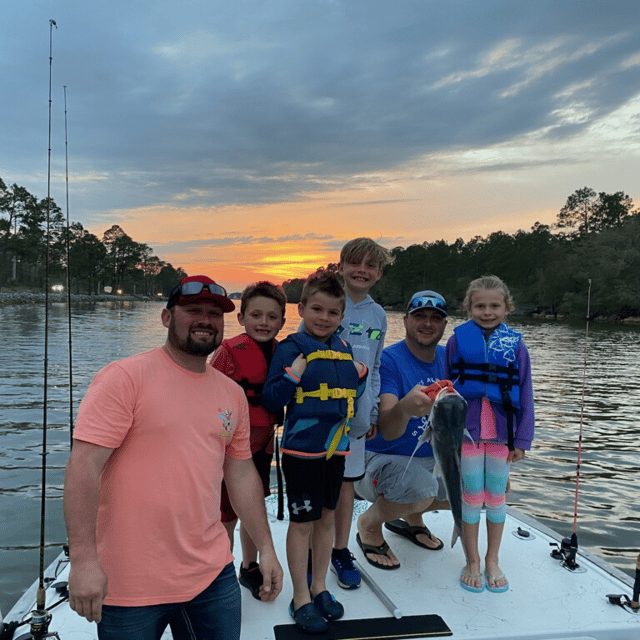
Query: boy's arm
column 363, row 374
column 284, row 375
column 374, row 376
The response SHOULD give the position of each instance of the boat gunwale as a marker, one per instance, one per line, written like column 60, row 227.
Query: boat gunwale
column 602, row 564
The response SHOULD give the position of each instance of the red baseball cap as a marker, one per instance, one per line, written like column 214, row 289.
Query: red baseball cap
column 193, row 289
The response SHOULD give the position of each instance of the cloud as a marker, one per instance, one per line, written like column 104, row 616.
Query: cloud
column 209, row 108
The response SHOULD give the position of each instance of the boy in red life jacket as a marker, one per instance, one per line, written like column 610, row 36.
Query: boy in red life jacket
column 246, row 360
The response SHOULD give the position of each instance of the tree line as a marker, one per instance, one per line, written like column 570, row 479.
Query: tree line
column 596, row 238
column 115, row 261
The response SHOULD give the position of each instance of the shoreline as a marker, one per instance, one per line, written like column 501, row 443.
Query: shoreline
column 550, row 317
column 25, row 297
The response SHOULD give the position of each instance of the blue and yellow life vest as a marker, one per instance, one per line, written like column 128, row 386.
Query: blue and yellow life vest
column 325, row 395
column 487, row 367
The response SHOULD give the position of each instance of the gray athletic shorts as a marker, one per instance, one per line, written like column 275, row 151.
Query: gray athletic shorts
column 387, row 475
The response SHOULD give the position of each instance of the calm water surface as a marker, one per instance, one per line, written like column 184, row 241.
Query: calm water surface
column 543, row 485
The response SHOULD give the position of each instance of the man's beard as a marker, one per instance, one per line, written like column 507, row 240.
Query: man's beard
column 190, row 346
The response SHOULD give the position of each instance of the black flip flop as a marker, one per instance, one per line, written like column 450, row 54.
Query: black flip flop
column 402, row 528
column 380, row 551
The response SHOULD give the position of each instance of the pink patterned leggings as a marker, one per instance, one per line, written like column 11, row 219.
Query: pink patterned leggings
column 485, row 472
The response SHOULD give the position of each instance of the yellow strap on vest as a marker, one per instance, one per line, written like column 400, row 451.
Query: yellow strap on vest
column 329, row 354
column 343, row 429
column 324, row 393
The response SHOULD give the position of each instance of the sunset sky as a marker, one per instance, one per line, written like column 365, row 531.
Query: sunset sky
column 251, row 139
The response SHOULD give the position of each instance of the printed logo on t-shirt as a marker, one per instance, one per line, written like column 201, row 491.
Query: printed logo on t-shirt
column 355, row 329
column 227, row 425
column 374, row 334
column 359, row 329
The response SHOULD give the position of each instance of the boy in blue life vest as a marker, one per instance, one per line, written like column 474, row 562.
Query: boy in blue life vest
column 314, row 375
column 246, row 360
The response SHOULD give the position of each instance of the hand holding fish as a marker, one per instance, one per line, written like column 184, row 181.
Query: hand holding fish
column 434, row 389
column 418, row 402
column 394, row 414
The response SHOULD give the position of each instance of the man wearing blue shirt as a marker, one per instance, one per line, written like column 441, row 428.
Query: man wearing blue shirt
column 400, row 494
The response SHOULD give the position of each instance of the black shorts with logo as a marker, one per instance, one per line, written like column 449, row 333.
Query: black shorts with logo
column 313, row 484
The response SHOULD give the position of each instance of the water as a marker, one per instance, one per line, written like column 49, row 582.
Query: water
column 543, row 485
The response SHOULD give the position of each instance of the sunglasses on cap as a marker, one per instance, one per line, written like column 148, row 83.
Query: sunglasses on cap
column 422, row 302
column 194, row 288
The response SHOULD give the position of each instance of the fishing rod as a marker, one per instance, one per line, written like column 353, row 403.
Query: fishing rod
column 68, row 243
column 569, row 546
column 384, row 598
column 622, row 599
column 40, row 617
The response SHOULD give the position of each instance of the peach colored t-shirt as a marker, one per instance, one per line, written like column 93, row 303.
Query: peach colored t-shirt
column 159, row 533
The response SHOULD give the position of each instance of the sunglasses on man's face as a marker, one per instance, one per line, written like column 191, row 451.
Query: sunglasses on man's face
column 427, row 301
column 194, row 288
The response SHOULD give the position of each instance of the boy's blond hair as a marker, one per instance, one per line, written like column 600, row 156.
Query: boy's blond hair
column 326, row 282
column 487, row 282
column 264, row 289
column 359, row 248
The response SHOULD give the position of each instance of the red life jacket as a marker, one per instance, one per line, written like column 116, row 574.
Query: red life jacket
column 251, row 373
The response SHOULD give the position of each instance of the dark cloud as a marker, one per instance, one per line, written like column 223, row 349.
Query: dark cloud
column 209, row 104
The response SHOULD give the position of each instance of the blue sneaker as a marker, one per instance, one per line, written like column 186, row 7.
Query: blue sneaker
column 342, row 565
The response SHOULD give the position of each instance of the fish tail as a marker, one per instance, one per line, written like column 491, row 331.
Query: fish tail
column 455, row 536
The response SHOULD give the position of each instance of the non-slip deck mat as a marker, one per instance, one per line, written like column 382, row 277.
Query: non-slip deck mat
column 427, row 626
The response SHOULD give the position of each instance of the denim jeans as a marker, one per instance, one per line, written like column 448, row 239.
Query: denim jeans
column 214, row 614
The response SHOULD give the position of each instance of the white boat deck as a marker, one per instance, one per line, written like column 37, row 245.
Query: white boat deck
column 544, row 601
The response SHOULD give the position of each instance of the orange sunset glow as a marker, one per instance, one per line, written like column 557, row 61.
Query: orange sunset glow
column 238, row 245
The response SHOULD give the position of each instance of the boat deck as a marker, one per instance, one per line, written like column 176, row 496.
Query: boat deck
column 544, row 601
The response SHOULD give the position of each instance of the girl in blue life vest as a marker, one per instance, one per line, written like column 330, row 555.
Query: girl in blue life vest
column 489, row 364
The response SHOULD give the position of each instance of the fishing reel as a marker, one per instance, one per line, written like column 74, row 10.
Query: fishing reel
column 39, row 626
column 566, row 552
column 41, row 617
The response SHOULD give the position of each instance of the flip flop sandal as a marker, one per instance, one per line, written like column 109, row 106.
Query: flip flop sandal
column 379, row 551
column 402, row 528
column 491, row 578
column 473, row 576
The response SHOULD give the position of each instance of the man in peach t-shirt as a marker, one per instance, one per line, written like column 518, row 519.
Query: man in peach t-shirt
column 155, row 435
